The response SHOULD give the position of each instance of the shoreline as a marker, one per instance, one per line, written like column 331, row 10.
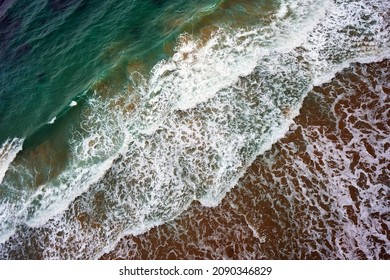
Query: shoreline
column 269, row 215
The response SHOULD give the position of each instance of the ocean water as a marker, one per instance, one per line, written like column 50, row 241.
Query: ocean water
column 194, row 129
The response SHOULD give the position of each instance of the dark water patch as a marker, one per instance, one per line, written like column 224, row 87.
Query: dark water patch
column 159, row 3
column 8, row 28
column 7, row 24
column 4, row 4
column 41, row 77
column 22, row 50
column 137, row 32
column 62, row 5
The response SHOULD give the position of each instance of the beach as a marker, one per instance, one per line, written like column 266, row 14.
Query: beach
column 213, row 130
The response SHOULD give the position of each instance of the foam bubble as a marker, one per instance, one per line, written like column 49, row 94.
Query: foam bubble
column 52, row 120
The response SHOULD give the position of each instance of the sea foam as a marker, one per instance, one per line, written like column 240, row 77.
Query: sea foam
column 8, row 151
column 198, row 121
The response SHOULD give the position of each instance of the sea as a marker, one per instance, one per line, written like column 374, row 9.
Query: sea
column 207, row 129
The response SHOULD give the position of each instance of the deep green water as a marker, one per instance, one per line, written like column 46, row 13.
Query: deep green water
column 53, row 51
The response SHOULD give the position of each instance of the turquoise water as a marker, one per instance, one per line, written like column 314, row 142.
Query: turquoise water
column 115, row 116
column 53, row 51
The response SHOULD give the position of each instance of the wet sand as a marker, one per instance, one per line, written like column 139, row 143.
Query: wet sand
column 321, row 192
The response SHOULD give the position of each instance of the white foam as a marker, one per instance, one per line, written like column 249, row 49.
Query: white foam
column 341, row 214
column 90, row 163
column 214, row 135
column 52, row 120
column 198, row 71
column 338, row 174
column 200, row 119
column 7, row 228
column 8, row 151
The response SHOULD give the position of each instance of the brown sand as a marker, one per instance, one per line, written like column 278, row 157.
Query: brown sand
column 287, row 205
